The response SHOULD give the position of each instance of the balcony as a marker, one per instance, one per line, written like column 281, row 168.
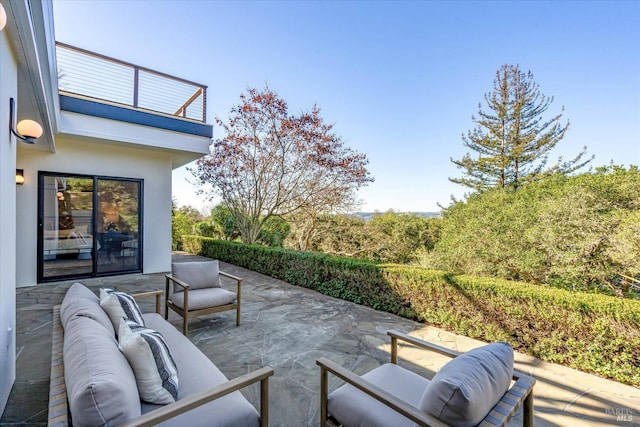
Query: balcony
column 100, row 86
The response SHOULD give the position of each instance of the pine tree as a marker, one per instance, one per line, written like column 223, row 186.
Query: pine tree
column 512, row 140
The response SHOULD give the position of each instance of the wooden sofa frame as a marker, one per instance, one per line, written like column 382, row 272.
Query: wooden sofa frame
column 58, row 406
column 186, row 313
column 519, row 394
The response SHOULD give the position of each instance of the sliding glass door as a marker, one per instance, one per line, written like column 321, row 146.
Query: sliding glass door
column 88, row 226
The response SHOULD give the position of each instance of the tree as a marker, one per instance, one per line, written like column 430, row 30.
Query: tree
column 272, row 163
column 182, row 222
column 511, row 138
column 578, row 232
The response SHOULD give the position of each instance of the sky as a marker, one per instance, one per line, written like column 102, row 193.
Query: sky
column 398, row 80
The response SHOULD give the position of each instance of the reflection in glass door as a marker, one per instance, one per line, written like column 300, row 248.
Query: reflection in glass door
column 67, row 235
column 117, row 225
column 88, row 226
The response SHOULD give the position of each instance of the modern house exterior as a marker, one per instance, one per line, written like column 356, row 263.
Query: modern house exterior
column 91, row 196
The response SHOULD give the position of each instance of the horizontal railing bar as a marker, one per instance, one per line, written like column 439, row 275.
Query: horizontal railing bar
column 129, row 64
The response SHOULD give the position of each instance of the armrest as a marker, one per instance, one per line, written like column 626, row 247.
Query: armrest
column 372, row 390
column 183, row 405
column 238, row 282
column 177, row 281
column 397, row 335
column 230, row 276
column 158, row 295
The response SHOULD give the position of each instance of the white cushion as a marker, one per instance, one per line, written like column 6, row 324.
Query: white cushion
column 81, row 301
column 150, row 358
column 353, row 407
column 466, row 388
column 119, row 305
column 204, row 298
column 198, row 275
column 101, row 388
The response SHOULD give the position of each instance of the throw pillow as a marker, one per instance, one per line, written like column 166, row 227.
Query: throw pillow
column 119, row 305
column 150, row 358
column 465, row 389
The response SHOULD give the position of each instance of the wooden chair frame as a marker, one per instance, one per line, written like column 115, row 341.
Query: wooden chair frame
column 186, row 314
column 519, row 394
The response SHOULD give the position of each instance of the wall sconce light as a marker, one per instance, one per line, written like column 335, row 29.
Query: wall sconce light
column 19, row 176
column 28, row 130
column 3, row 18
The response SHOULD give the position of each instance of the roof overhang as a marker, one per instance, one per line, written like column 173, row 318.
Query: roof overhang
column 31, row 33
column 184, row 148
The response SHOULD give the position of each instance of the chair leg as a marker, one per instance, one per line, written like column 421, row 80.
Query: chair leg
column 527, row 416
column 166, row 298
column 238, row 315
column 185, row 323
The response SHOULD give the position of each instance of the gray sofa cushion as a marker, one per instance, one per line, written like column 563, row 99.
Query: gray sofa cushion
column 119, row 305
column 81, row 301
column 463, row 392
column 352, row 407
column 198, row 373
column 198, row 275
column 101, row 388
column 204, row 298
column 151, row 360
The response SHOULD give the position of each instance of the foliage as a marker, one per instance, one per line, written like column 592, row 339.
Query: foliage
column 272, row 163
column 183, row 220
column 593, row 333
column 575, row 232
column 274, row 232
column 511, row 138
column 222, row 217
column 387, row 237
column 208, row 229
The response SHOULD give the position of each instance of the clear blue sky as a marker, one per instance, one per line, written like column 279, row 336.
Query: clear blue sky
column 399, row 80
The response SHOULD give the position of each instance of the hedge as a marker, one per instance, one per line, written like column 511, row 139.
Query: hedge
column 590, row 332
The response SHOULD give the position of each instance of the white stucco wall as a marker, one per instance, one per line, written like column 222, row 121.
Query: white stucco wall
column 91, row 157
column 8, row 89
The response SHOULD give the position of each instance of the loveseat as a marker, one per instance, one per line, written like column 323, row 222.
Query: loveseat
column 93, row 382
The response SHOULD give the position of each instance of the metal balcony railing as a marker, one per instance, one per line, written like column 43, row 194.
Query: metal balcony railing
column 91, row 75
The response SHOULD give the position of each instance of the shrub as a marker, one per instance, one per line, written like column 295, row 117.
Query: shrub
column 591, row 332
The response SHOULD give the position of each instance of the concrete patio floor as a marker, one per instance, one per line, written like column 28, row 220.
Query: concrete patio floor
column 288, row 328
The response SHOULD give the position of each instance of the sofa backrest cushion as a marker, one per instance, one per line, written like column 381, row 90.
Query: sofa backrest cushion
column 152, row 363
column 101, row 387
column 463, row 392
column 120, row 305
column 198, row 275
column 81, row 301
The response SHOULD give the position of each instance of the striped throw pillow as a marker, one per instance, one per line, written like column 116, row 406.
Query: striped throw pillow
column 119, row 305
column 151, row 361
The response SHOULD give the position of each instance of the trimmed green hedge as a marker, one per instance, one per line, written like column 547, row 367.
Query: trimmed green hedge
column 591, row 332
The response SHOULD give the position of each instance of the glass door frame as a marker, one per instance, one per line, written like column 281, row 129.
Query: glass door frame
column 95, row 212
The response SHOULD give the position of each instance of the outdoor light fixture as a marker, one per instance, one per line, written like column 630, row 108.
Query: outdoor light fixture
column 3, row 18
column 19, row 177
column 27, row 130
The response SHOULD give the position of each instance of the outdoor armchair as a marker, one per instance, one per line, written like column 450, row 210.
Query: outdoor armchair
column 197, row 290
column 479, row 387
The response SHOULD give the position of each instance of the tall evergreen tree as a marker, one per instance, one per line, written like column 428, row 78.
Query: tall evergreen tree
column 511, row 137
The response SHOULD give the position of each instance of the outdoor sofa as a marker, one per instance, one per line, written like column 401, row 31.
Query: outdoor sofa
column 92, row 382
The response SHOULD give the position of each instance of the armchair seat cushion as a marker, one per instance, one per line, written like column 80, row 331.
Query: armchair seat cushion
column 204, row 298
column 353, row 407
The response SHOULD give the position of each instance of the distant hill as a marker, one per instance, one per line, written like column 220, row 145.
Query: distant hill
column 366, row 216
